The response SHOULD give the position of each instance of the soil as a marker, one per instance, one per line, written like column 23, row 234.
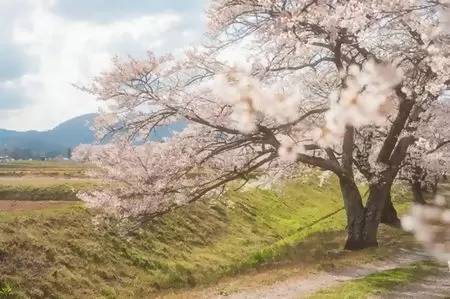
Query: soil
column 19, row 205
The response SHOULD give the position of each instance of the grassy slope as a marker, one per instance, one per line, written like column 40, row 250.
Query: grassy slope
column 60, row 253
column 378, row 283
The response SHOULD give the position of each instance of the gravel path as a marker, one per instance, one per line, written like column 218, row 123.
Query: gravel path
column 433, row 287
column 300, row 287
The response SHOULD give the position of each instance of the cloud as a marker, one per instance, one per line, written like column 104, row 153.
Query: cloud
column 11, row 96
column 13, row 61
column 113, row 10
column 55, row 43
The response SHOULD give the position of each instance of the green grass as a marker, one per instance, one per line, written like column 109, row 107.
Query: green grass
column 60, row 252
column 378, row 283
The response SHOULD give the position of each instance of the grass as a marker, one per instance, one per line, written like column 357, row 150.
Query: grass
column 378, row 283
column 315, row 253
column 59, row 252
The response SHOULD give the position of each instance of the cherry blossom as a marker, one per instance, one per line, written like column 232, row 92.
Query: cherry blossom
column 347, row 87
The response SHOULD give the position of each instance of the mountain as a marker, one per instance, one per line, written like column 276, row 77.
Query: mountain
column 51, row 143
column 59, row 141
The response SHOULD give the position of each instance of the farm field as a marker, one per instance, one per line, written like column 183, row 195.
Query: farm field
column 42, row 181
column 42, row 168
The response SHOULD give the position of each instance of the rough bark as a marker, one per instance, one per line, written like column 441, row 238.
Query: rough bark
column 355, row 214
column 389, row 215
column 434, row 185
column 378, row 195
column 363, row 222
column 417, row 192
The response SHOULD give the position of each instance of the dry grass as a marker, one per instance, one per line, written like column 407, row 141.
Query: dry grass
column 43, row 168
column 43, row 188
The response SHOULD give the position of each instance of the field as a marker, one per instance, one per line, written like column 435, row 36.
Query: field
column 42, row 168
column 43, row 181
column 54, row 249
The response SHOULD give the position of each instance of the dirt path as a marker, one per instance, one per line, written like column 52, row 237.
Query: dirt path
column 432, row 287
column 436, row 286
column 300, row 287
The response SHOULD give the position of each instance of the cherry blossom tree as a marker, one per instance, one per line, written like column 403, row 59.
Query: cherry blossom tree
column 427, row 162
column 343, row 86
column 430, row 224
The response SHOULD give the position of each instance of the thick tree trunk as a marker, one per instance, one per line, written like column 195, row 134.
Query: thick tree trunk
column 361, row 230
column 378, row 195
column 363, row 222
column 355, row 214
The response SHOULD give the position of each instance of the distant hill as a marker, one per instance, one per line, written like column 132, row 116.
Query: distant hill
column 58, row 141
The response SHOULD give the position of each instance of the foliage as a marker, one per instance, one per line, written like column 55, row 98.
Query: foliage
column 6, row 291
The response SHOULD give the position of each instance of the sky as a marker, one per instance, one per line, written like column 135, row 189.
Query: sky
column 47, row 46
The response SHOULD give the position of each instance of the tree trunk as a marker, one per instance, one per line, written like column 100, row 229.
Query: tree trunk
column 355, row 214
column 434, row 185
column 363, row 222
column 378, row 196
column 389, row 215
column 416, row 189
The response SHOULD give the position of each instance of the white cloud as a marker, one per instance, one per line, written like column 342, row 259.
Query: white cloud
column 68, row 51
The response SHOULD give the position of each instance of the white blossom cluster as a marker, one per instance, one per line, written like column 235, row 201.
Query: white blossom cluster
column 322, row 66
column 366, row 99
column 430, row 224
column 251, row 99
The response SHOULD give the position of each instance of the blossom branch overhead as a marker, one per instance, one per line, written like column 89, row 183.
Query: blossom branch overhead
column 348, row 87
